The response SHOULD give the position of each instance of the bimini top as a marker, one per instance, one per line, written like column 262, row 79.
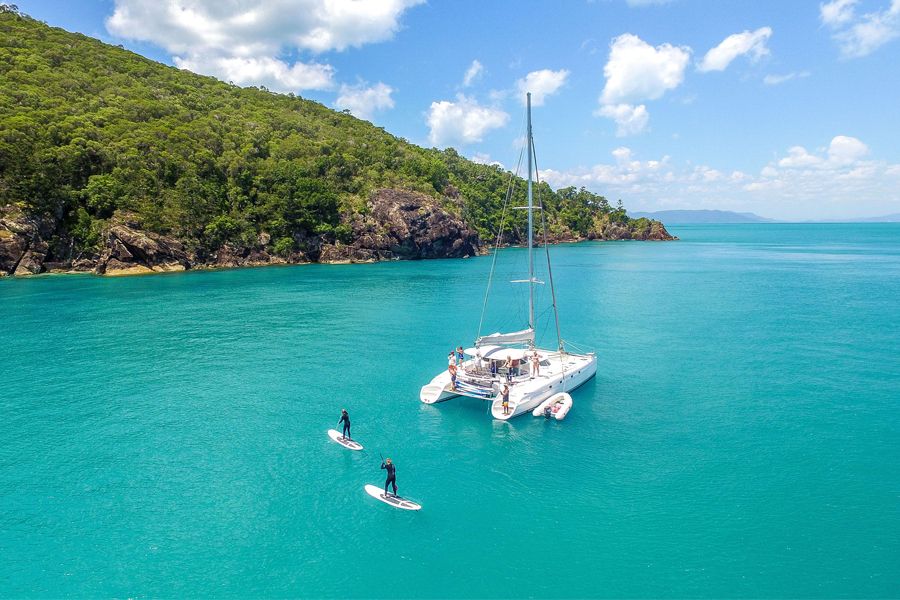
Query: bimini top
column 498, row 353
column 504, row 353
column 482, row 351
column 517, row 337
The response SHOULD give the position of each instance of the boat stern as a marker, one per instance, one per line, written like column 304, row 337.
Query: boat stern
column 437, row 390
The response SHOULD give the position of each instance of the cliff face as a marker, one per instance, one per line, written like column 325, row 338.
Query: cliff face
column 403, row 225
column 636, row 229
column 396, row 225
column 23, row 241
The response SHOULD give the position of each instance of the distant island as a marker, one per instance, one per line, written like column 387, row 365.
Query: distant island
column 685, row 217
column 892, row 218
column 115, row 164
column 697, row 217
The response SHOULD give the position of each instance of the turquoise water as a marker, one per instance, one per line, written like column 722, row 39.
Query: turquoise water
column 165, row 435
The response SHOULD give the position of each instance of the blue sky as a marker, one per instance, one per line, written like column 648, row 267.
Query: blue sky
column 786, row 109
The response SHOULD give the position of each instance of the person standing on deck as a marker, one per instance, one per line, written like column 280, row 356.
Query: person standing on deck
column 345, row 419
column 535, row 365
column 451, row 366
column 452, row 369
column 391, row 476
column 505, row 394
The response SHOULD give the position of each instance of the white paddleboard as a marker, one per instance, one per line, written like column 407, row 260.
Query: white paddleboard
column 395, row 501
column 349, row 444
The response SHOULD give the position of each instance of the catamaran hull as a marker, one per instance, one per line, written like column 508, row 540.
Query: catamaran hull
column 438, row 390
column 525, row 395
column 583, row 368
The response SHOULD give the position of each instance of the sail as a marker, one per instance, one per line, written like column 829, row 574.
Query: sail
column 517, row 337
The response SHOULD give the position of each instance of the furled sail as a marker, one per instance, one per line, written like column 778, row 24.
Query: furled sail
column 517, row 337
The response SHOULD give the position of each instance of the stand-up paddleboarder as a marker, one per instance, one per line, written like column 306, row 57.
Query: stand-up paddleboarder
column 391, row 476
column 345, row 419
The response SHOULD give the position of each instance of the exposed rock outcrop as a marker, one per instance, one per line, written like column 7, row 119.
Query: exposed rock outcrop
column 651, row 230
column 397, row 225
column 23, row 245
column 231, row 256
column 129, row 250
column 403, row 225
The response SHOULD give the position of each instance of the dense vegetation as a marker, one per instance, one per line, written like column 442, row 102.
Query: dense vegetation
column 88, row 130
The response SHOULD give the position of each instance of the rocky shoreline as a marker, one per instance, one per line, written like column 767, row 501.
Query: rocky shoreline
column 397, row 225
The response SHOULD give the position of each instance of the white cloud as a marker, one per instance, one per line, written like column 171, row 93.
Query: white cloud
column 485, row 159
column 837, row 12
column 622, row 154
column 272, row 73
column 799, row 157
column 363, row 102
column 834, row 180
column 626, row 173
column 859, row 36
column 841, row 152
column 779, row 79
column 737, row 44
column 240, row 39
column 541, row 84
column 637, row 71
column 243, row 27
column 462, row 122
column 472, row 73
column 845, row 150
column 630, row 119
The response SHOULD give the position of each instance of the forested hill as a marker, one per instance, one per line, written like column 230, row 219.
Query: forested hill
column 110, row 161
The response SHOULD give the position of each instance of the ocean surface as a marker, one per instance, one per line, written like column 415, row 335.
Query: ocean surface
column 165, row 435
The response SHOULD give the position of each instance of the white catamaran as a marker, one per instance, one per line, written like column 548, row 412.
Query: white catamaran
column 499, row 360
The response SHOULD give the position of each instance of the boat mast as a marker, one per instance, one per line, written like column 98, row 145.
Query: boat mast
column 530, row 226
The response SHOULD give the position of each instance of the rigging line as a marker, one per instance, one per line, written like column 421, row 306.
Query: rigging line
column 487, row 292
column 547, row 252
column 578, row 347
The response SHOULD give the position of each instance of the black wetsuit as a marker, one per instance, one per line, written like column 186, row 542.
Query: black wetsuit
column 391, row 477
column 345, row 419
